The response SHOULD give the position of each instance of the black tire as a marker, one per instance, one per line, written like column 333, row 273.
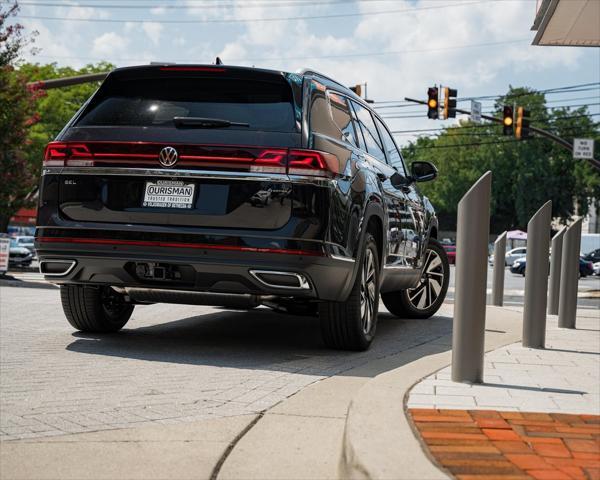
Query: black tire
column 351, row 325
column 401, row 303
column 95, row 309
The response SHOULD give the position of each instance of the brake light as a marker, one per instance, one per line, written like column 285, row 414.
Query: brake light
column 312, row 162
column 270, row 161
column 59, row 154
column 192, row 69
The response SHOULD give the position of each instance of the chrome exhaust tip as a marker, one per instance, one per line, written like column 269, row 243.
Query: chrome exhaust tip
column 287, row 280
column 56, row 268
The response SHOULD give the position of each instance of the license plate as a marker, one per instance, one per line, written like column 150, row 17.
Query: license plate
column 169, row 194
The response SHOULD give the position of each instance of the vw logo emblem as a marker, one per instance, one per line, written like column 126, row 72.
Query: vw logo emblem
column 168, row 157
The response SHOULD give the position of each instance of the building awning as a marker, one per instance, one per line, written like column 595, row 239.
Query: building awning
column 574, row 23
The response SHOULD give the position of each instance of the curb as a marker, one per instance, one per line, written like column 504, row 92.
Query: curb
column 378, row 440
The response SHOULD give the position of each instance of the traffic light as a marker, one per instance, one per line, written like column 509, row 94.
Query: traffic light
column 432, row 103
column 507, row 120
column 449, row 103
column 357, row 89
column 522, row 124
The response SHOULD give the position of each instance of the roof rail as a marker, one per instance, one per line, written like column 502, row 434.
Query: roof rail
column 308, row 71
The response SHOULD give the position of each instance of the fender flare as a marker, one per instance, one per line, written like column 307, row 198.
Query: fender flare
column 373, row 209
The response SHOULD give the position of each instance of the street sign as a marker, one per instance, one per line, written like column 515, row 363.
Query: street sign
column 583, row 148
column 4, row 252
column 475, row 111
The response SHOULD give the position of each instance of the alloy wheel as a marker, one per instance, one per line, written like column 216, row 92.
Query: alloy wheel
column 430, row 285
column 368, row 291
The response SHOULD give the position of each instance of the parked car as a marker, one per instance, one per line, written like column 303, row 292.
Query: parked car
column 585, row 268
column 19, row 256
column 26, row 242
column 515, row 254
column 596, row 267
column 450, row 252
column 146, row 197
column 593, row 256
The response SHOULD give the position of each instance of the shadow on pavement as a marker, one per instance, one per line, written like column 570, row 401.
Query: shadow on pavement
column 257, row 339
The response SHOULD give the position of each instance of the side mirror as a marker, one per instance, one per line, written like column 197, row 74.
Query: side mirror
column 423, row 171
column 400, row 181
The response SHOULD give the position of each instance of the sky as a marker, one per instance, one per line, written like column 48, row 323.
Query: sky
column 399, row 47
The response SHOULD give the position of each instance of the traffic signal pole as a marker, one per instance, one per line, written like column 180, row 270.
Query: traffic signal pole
column 543, row 133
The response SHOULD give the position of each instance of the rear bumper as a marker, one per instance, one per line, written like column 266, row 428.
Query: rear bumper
column 224, row 269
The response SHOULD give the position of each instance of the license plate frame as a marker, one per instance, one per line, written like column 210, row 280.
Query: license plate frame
column 172, row 194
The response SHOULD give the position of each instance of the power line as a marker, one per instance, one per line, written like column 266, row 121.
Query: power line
column 196, row 6
column 565, row 89
column 310, row 57
column 246, row 20
column 594, row 97
column 495, row 142
column 477, row 127
column 532, row 119
column 409, row 114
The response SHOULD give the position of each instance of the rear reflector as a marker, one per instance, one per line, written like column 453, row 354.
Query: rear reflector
column 201, row 246
column 221, row 157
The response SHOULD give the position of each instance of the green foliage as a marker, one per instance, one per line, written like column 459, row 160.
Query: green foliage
column 525, row 174
column 41, row 115
column 17, row 115
column 58, row 105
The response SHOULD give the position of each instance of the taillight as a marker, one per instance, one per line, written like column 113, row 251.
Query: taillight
column 59, row 154
column 270, row 161
column 313, row 163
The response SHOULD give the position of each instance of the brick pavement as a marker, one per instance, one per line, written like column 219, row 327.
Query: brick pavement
column 171, row 364
column 478, row 444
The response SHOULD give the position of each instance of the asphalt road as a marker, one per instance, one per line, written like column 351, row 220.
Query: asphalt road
column 514, row 285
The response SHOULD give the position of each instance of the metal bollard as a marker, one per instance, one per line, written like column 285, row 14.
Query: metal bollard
column 555, row 261
column 569, row 276
column 468, row 332
column 536, row 278
column 499, row 269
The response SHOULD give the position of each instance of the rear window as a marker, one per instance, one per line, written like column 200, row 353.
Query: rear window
column 153, row 102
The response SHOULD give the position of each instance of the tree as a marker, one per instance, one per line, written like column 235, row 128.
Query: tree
column 30, row 117
column 57, row 106
column 17, row 115
column 525, row 173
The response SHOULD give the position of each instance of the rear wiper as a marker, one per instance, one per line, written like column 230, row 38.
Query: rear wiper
column 200, row 122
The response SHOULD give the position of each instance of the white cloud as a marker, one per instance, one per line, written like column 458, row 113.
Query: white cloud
column 179, row 41
column 158, row 10
column 153, row 31
column 473, row 71
column 108, row 44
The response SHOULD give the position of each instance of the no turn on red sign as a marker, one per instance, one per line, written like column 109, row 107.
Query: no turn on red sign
column 583, row 148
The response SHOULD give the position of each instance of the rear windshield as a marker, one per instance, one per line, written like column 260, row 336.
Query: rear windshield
column 153, row 102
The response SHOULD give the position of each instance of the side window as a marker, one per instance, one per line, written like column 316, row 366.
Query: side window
column 372, row 140
column 342, row 117
column 392, row 152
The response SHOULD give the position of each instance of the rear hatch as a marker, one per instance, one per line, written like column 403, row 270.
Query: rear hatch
column 182, row 145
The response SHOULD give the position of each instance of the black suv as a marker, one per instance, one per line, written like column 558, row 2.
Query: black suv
column 231, row 186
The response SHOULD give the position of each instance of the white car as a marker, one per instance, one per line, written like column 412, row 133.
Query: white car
column 515, row 254
column 597, row 268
